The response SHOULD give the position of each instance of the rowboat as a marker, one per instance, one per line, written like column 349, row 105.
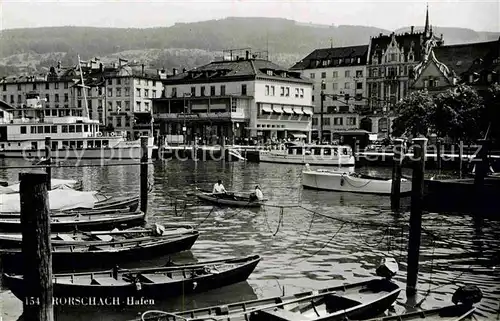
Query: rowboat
column 106, row 252
column 117, row 203
column 355, row 301
column 81, row 222
column 229, row 199
column 131, row 235
column 82, row 212
column 145, row 283
column 343, row 181
column 448, row 313
column 55, row 183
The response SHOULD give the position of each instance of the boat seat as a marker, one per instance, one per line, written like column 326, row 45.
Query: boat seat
column 96, row 248
column 222, row 310
column 107, row 281
column 104, row 237
column 154, row 278
column 64, row 237
column 337, row 303
column 280, row 315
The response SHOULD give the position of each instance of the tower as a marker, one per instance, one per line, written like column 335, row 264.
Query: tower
column 427, row 29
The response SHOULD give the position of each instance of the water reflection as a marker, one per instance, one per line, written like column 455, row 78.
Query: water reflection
column 302, row 250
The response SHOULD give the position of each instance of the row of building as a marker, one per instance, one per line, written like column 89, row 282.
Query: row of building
column 244, row 95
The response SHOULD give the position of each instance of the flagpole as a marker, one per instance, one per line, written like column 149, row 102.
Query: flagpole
column 83, row 88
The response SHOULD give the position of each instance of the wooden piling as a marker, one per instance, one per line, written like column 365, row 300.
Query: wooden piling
column 48, row 161
column 36, row 247
column 481, row 163
column 461, row 156
column 438, row 155
column 144, row 174
column 417, row 191
column 396, row 175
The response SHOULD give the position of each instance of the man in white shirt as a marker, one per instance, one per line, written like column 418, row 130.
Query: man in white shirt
column 258, row 193
column 219, row 188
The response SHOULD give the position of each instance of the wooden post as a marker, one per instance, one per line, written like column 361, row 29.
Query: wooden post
column 144, row 174
column 48, row 161
column 161, row 146
column 481, row 163
column 461, row 156
column 417, row 191
column 438, row 155
column 36, row 247
column 396, row 175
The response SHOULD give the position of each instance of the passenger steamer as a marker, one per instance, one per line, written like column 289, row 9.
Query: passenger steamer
column 72, row 137
column 298, row 153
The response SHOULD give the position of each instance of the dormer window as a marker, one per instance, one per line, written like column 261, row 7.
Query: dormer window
column 490, row 77
column 411, row 57
column 359, row 60
column 270, row 73
column 325, row 63
column 341, row 61
column 471, row 78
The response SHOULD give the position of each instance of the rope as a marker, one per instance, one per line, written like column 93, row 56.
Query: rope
column 324, row 246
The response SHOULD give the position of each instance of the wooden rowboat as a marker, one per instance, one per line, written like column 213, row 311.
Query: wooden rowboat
column 145, row 283
column 81, row 222
column 449, row 313
column 118, row 203
column 229, row 199
column 14, row 240
column 356, row 301
column 105, row 253
column 83, row 212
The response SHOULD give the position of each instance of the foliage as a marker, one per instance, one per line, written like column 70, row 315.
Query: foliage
column 492, row 112
column 414, row 114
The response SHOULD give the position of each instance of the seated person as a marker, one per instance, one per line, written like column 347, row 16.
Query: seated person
column 219, row 188
column 256, row 195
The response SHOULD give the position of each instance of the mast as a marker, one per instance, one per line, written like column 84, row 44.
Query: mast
column 86, row 109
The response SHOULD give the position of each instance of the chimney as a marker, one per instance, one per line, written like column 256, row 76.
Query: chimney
column 247, row 54
column 59, row 64
column 174, row 71
column 183, row 70
column 412, row 28
column 100, row 67
column 142, row 69
column 380, row 35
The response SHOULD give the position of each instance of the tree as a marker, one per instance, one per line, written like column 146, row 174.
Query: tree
column 491, row 115
column 457, row 114
column 414, row 114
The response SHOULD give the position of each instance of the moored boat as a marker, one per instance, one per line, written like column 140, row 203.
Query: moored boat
column 344, row 181
column 449, row 313
column 355, row 301
column 55, row 183
column 71, row 254
column 145, row 283
column 81, row 222
column 229, row 199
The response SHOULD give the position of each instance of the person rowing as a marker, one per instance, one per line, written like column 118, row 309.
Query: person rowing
column 256, row 195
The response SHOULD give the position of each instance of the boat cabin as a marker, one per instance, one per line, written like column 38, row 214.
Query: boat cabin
column 319, row 150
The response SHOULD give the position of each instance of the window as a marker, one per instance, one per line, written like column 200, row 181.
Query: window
column 127, row 92
column 110, row 82
column 222, row 90
column 146, row 105
column 267, row 90
column 335, row 74
column 243, row 90
column 174, row 92
column 110, row 92
column 359, row 73
column 193, row 91
column 56, row 98
column 118, row 122
column 79, row 103
column 118, row 92
column 393, row 57
column 315, row 121
column 272, row 91
column 110, row 106
column 296, row 92
column 233, row 106
column 66, row 97
column 269, row 72
column 127, row 105
column 351, row 121
column 326, row 121
column 335, row 86
column 138, row 105
column 47, row 97
column 323, row 86
column 359, row 85
column 47, row 86
column 146, row 93
column 23, row 129
column 323, row 75
column 56, row 85
column 325, row 63
column 282, row 91
column 154, row 93
column 138, row 92
column 301, row 92
column 78, row 128
column 118, row 106
column 426, row 83
column 338, row 120
column 34, row 86
column 312, row 75
column 347, row 85
column 118, row 81
column 312, row 98
column 347, row 73
column 202, row 91
column 212, row 90
column 19, row 99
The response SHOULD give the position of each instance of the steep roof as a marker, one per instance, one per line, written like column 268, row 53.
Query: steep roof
column 221, row 71
column 405, row 41
column 470, row 57
column 310, row 61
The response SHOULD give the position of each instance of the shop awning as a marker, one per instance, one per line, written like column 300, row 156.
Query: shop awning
column 288, row 110
column 267, row 108
column 307, row 111
column 298, row 110
column 278, row 109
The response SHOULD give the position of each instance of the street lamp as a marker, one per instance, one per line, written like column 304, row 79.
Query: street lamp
column 322, row 98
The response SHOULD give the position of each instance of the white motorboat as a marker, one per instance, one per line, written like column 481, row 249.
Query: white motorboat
column 297, row 153
column 344, row 181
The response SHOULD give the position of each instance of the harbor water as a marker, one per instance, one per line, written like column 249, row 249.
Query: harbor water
column 307, row 239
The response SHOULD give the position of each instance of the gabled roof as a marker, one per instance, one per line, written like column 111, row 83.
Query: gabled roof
column 220, row 71
column 405, row 41
column 310, row 60
column 470, row 57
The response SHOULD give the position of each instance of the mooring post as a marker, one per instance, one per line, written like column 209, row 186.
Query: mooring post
column 36, row 247
column 461, row 156
column 144, row 174
column 161, row 146
column 417, row 192
column 396, row 175
column 438, row 155
column 48, row 161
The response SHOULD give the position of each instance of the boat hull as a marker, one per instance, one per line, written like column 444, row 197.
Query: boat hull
column 227, row 202
column 449, row 313
column 65, row 259
column 147, row 290
column 343, row 182
column 282, row 158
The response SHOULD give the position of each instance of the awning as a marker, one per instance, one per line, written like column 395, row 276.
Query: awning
column 288, row 110
column 299, row 135
column 307, row 111
column 278, row 109
column 298, row 110
column 267, row 109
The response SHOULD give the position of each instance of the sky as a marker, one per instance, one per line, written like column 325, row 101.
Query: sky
column 477, row 15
